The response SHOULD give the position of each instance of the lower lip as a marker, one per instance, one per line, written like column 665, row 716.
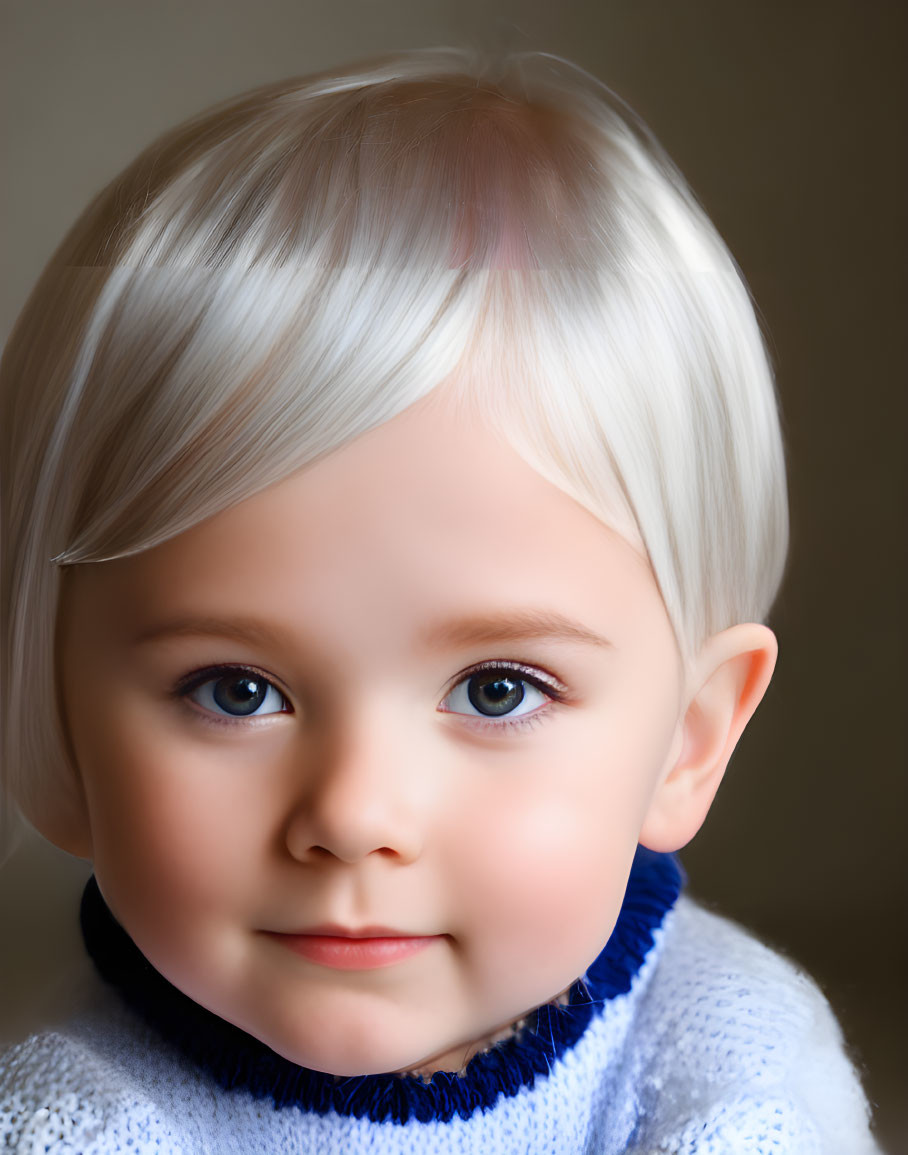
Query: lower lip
column 354, row 954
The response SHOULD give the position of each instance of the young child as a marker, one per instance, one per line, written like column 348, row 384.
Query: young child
column 393, row 497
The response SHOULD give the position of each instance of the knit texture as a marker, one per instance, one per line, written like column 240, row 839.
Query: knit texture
column 716, row 1046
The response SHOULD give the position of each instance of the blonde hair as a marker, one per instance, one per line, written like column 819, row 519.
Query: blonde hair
column 300, row 264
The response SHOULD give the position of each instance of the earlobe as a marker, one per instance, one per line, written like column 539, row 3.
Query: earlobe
column 726, row 684
column 65, row 825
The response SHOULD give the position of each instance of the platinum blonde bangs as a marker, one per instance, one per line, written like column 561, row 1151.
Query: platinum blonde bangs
column 301, row 264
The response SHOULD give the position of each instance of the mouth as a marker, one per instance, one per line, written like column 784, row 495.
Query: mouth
column 365, row 949
column 335, row 930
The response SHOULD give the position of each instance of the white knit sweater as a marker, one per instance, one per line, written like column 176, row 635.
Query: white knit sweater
column 720, row 1046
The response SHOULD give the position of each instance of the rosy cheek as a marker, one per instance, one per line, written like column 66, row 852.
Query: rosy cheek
column 525, row 856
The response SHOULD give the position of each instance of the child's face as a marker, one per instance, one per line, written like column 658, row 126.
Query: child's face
column 374, row 786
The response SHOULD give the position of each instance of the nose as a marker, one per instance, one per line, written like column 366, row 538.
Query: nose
column 362, row 793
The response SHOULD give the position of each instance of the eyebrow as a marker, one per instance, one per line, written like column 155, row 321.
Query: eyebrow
column 508, row 626
column 238, row 629
column 511, row 626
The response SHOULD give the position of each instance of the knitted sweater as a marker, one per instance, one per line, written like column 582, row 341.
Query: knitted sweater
column 687, row 1036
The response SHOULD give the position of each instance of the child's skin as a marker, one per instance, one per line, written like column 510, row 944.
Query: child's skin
column 368, row 791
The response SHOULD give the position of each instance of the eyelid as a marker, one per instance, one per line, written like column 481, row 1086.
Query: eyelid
column 534, row 674
column 197, row 677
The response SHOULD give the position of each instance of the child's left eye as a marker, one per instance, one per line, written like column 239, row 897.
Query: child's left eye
column 500, row 690
column 235, row 692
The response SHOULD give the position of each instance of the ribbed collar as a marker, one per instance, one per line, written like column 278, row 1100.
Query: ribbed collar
column 237, row 1060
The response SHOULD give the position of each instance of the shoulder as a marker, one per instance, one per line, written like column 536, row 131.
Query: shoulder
column 732, row 1039
column 731, row 1000
column 64, row 1090
column 104, row 1082
column 56, row 1096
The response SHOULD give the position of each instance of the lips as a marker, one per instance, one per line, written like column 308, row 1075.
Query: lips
column 367, row 948
column 334, row 930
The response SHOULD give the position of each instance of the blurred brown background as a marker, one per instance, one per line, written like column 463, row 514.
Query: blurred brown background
column 788, row 120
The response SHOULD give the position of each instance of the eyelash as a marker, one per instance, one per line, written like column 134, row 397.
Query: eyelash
column 554, row 691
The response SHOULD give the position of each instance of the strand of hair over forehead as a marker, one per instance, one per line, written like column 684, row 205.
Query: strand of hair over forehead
column 304, row 262
column 522, row 215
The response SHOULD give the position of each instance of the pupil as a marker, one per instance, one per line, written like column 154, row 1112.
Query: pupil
column 494, row 695
column 241, row 695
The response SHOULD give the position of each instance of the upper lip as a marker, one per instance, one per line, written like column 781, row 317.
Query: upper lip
column 333, row 930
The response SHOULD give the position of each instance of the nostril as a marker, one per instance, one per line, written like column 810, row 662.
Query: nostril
column 317, row 852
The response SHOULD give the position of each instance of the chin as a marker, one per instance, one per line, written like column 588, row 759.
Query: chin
column 346, row 1057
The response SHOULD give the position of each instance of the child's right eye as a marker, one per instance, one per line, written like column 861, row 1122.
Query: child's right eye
column 234, row 692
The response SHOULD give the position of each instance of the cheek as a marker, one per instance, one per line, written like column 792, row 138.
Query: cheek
column 168, row 845
column 548, row 852
column 541, row 888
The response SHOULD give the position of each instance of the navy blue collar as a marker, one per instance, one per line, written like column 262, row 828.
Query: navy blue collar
column 236, row 1059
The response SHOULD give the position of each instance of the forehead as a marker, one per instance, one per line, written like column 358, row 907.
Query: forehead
column 430, row 514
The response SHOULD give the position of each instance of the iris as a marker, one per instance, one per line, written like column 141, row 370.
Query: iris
column 493, row 694
column 239, row 694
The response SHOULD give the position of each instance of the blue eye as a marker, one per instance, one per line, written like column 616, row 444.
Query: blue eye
column 236, row 693
column 499, row 691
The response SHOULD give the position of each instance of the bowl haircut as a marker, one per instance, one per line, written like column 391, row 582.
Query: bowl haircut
column 300, row 264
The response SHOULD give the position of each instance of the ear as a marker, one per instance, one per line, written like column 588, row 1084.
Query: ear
column 725, row 684
column 65, row 823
